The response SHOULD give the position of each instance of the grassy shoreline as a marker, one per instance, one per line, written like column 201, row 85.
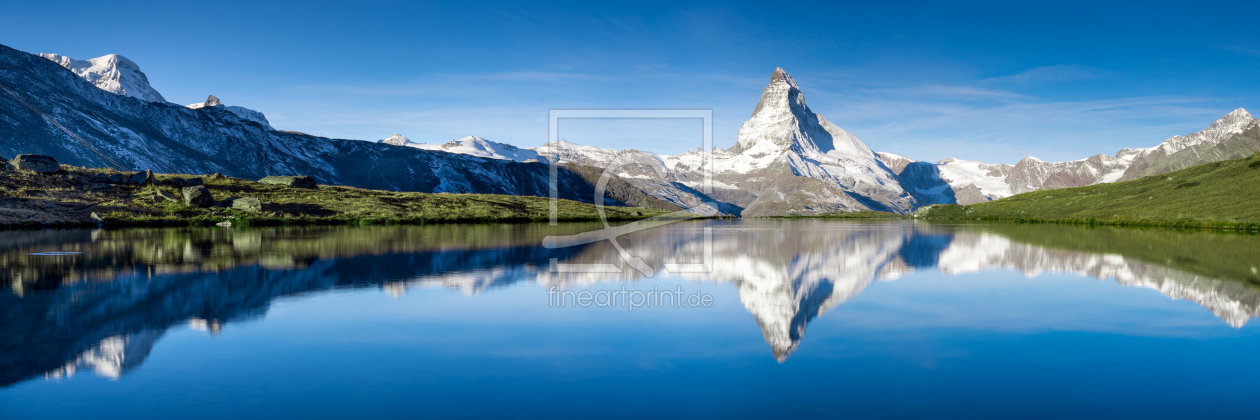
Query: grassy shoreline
column 79, row 197
column 1152, row 223
column 1221, row 195
column 1179, row 223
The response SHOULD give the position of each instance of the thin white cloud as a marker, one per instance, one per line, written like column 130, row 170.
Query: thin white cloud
column 1244, row 50
column 1049, row 74
column 944, row 92
column 1000, row 133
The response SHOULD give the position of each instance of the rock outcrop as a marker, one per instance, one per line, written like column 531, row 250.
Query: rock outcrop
column 198, row 196
column 299, row 181
column 247, row 204
column 35, row 163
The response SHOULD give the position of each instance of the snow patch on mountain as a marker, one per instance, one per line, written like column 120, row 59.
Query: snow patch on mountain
column 477, row 146
column 1033, row 174
column 1220, row 130
column 397, row 140
column 245, row 113
column 990, row 179
column 112, row 73
column 564, row 151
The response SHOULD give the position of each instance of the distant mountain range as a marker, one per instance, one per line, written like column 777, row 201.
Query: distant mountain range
column 786, row 160
column 118, row 120
column 789, row 160
column 1222, row 140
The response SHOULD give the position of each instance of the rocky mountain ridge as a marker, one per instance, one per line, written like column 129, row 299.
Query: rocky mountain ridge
column 1223, row 139
column 112, row 73
column 786, row 160
column 116, row 130
column 240, row 111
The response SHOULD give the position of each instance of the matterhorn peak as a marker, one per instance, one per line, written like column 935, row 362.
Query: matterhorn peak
column 781, row 76
column 397, row 140
column 782, row 121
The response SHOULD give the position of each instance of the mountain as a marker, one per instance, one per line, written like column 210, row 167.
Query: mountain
column 477, row 146
column 1219, row 141
column 112, row 73
column 1215, row 194
column 245, row 113
column 40, row 98
column 658, row 177
column 787, row 160
column 397, row 140
column 894, row 163
column 793, row 161
column 1224, row 139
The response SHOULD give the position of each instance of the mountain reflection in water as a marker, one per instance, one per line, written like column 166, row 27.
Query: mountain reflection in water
column 105, row 305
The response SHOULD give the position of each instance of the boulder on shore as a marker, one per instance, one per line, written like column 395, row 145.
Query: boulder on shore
column 141, row 178
column 161, row 196
column 198, row 196
column 299, row 181
column 35, row 163
column 247, row 204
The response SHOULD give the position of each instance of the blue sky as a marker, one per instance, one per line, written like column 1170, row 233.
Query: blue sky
column 991, row 81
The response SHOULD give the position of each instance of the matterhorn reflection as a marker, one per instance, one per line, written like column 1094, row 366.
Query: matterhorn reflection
column 789, row 272
column 104, row 309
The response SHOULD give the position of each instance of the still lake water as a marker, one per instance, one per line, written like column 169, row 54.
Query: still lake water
column 803, row 318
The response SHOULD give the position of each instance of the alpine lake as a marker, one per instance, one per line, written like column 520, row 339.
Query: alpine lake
column 745, row 318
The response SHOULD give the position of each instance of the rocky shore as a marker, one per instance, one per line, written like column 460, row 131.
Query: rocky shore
column 35, row 191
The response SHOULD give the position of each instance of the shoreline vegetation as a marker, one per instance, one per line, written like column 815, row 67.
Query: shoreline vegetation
column 67, row 196
column 1222, row 195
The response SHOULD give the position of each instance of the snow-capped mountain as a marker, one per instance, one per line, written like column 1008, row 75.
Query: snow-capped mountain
column 1193, row 149
column 245, row 113
column 565, row 151
column 793, row 161
column 112, row 73
column 397, row 140
column 472, row 146
column 660, row 177
column 786, row 160
column 175, row 139
column 477, row 146
column 1233, row 136
column 895, row 163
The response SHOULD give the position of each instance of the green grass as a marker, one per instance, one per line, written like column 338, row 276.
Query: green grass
column 1220, row 195
column 33, row 200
